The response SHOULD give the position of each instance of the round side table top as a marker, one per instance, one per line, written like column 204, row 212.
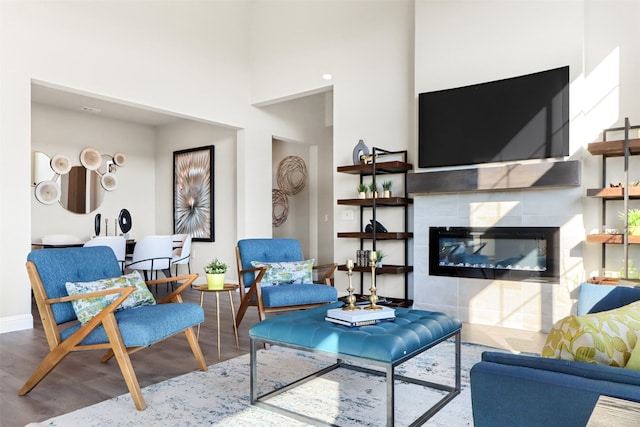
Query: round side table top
column 227, row 287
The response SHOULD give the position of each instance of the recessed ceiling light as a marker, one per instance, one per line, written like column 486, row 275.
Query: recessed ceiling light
column 327, row 76
column 91, row 109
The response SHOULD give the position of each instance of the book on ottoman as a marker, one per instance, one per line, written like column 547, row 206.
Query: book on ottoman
column 360, row 317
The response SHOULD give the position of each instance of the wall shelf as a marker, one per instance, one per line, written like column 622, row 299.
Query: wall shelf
column 624, row 148
column 374, row 170
column 613, row 193
column 612, row 239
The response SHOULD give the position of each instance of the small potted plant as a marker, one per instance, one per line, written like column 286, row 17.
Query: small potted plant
column 633, row 216
column 362, row 191
column 386, row 188
column 215, row 272
column 379, row 256
column 373, row 190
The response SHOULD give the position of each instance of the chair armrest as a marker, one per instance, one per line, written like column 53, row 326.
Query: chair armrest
column 325, row 273
column 174, row 296
column 126, row 291
column 255, row 287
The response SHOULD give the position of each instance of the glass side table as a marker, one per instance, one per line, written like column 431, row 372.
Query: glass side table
column 228, row 288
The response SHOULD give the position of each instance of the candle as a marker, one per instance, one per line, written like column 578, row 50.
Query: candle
column 350, row 264
column 373, row 256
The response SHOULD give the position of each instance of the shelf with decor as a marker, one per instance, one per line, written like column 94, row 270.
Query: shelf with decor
column 376, row 168
column 621, row 192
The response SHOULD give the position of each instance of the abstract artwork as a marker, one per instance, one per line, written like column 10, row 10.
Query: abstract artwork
column 193, row 193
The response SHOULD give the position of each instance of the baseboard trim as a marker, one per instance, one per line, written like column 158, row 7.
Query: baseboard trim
column 16, row 323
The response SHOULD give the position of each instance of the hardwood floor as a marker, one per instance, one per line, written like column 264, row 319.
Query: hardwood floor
column 81, row 380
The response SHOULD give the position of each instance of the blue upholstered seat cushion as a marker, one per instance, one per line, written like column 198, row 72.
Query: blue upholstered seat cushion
column 412, row 331
column 306, row 293
column 145, row 325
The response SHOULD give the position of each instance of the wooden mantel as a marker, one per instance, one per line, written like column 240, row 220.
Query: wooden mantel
column 528, row 176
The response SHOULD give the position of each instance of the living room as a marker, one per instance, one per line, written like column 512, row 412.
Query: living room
column 383, row 114
column 222, row 63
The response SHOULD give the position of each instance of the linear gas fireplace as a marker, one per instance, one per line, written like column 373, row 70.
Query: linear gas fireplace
column 505, row 253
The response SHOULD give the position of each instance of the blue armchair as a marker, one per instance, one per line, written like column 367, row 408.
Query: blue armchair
column 119, row 332
column 529, row 391
column 283, row 297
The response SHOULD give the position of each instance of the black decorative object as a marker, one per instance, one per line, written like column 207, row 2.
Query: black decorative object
column 96, row 223
column 359, row 150
column 193, row 193
column 124, row 221
column 379, row 227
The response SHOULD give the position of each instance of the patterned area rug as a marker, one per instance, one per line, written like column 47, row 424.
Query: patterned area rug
column 220, row 396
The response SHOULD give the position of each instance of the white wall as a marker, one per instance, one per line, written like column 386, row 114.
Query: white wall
column 368, row 48
column 192, row 134
column 183, row 57
column 300, row 128
column 57, row 131
column 460, row 43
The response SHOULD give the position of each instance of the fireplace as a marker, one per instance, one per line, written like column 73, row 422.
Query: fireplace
column 504, row 253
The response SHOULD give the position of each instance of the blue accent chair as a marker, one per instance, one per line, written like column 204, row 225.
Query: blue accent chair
column 119, row 333
column 517, row 390
column 269, row 299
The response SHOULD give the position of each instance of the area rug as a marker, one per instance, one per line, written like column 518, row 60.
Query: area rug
column 220, row 396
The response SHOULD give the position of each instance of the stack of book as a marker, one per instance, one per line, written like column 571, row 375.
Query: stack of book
column 360, row 317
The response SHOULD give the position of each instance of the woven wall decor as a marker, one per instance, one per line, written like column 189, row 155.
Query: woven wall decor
column 292, row 175
column 279, row 207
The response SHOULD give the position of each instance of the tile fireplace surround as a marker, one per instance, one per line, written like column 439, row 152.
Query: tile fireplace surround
column 527, row 305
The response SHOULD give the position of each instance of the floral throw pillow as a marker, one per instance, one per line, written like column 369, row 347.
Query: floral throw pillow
column 286, row 273
column 606, row 338
column 87, row 308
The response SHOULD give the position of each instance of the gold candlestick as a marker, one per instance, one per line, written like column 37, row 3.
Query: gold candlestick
column 373, row 298
column 351, row 299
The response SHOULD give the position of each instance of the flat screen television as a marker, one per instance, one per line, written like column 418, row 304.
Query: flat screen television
column 518, row 118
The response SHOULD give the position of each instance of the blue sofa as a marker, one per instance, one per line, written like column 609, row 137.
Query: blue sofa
column 517, row 390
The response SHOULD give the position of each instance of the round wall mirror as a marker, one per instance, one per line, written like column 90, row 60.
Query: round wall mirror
column 81, row 189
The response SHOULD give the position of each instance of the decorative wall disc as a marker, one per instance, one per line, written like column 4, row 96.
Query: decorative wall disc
column 279, row 208
column 61, row 164
column 119, row 159
column 48, row 192
column 109, row 181
column 91, row 158
column 292, row 175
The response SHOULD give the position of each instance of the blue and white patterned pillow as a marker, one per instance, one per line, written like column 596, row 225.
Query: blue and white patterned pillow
column 286, row 273
column 87, row 308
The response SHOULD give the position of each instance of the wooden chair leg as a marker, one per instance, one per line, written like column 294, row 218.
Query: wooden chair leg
column 52, row 360
column 244, row 304
column 195, row 348
column 121, row 355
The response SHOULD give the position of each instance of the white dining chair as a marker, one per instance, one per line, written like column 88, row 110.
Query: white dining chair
column 152, row 254
column 181, row 251
column 117, row 243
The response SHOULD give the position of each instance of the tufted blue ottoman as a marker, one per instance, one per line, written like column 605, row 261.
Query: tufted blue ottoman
column 387, row 345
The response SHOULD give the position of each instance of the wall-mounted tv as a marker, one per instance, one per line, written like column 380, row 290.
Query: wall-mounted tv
column 519, row 118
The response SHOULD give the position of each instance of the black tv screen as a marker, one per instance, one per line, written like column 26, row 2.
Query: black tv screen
column 519, row 118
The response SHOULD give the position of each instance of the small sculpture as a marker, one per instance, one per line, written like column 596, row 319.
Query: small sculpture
column 358, row 151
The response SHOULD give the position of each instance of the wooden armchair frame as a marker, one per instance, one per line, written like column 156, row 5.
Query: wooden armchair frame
column 253, row 296
column 59, row 348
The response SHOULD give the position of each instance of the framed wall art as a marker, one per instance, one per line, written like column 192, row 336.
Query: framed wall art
column 193, row 210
